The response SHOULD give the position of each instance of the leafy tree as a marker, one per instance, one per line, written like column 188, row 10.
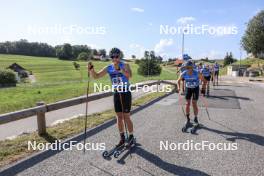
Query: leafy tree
column 77, row 49
column 102, row 52
column 252, row 41
column 65, row 52
column 95, row 52
column 24, row 47
column 149, row 65
column 84, row 56
column 133, row 56
column 137, row 61
column 229, row 59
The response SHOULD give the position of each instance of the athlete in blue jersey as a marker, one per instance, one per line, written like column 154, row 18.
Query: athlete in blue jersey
column 119, row 74
column 192, row 80
column 216, row 68
column 206, row 73
column 185, row 58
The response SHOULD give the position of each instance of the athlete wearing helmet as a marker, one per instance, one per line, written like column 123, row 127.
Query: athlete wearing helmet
column 119, row 73
column 185, row 58
column 215, row 73
column 206, row 73
column 191, row 77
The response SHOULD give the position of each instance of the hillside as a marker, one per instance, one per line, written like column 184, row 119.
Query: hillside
column 55, row 80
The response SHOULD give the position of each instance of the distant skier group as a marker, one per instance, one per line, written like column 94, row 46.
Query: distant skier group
column 192, row 76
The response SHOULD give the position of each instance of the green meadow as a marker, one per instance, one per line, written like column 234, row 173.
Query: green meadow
column 56, row 80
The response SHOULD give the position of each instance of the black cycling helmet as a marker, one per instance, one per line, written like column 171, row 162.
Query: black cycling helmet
column 189, row 63
column 114, row 52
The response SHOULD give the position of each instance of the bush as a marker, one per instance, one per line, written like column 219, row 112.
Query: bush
column 137, row 61
column 83, row 56
column 7, row 77
column 76, row 66
column 149, row 67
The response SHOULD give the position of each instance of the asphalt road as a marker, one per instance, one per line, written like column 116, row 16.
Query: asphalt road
column 236, row 118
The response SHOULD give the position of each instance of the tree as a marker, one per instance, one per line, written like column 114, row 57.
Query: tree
column 102, row 52
column 84, row 56
column 65, row 52
column 137, row 61
column 77, row 49
column 149, row 65
column 146, row 54
column 122, row 55
column 133, row 56
column 252, row 41
column 24, row 47
column 95, row 52
column 228, row 59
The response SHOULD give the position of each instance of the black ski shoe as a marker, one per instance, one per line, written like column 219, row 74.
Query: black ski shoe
column 131, row 141
column 196, row 120
column 121, row 143
column 186, row 126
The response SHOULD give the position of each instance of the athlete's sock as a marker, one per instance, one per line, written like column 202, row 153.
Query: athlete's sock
column 195, row 119
column 122, row 135
column 188, row 117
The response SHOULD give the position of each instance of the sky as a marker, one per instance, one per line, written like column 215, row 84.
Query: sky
column 132, row 25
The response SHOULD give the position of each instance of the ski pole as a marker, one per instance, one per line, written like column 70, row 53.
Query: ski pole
column 86, row 111
column 205, row 105
column 122, row 108
column 180, row 101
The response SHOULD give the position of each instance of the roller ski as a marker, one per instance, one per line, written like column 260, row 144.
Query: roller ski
column 194, row 126
column 113, row 151
column 130, row 144
column 186, row 126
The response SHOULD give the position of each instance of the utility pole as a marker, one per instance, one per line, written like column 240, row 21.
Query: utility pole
column 183, row 41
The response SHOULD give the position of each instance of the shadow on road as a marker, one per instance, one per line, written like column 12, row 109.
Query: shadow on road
column 254, row 138
column 24, row 164
column 231, row 85
column 228, row 97
column 158, row 162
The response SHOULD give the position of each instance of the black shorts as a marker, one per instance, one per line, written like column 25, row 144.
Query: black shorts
column 207, row 78
column 126, row 101
column 216, row 73
column 192, row 93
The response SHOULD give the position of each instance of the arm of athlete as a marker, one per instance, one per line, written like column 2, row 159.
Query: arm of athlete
column 201, row 77
column 179, row 83
column 127, row 71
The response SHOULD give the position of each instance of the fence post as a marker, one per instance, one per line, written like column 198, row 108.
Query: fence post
column 41, row 120
column 158, row 83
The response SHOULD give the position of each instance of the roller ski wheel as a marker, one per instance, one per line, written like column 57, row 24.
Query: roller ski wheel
column 194, row 128
column 109, row 153
column 105, row 154
column 116, row 154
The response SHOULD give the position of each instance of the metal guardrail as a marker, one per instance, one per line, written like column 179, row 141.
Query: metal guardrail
column 43, row 108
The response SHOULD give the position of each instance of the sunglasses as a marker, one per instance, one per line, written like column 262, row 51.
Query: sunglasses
column 114, row 56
